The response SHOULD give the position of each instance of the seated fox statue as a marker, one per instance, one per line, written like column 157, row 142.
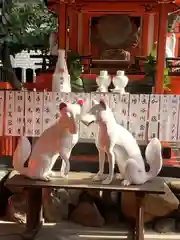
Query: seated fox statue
column 121, row 147
column 57, row 140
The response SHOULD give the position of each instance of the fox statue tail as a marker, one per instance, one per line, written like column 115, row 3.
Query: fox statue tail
column 154, row 158
column 21, row 155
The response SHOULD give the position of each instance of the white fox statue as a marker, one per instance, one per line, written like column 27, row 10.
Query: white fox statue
column 121, row 147
column 57, row 140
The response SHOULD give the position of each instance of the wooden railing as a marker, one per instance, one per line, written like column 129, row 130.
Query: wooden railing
column 95, row 65
column 146, row 116
column 173, row 64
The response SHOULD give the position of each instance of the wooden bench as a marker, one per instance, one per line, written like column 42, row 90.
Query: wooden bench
column 81, row 180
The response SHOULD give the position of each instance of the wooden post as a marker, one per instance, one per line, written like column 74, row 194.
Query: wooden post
column 73, row 31
column 139, row 232
column 34, row 213
column 156, row 20
column 85, row 34
column 161, row 46
column 62, row 31
column 144, row 35
column 80, row 33
column 177, row 47
column 85, row 45
column 150, row 42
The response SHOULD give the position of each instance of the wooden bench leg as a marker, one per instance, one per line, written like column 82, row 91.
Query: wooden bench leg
column 139, row 229
column 34, row 206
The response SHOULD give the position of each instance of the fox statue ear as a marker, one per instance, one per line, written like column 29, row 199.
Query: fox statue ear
column 94, row 102
column 103, row 104
column 62, row 105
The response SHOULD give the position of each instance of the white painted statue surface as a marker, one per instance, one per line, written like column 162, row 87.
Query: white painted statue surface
column 120, row 81
column 103, row 81
column 170, row 46
column 53, row 44
column 58, row 140
column 61, row 78
column 122, row 148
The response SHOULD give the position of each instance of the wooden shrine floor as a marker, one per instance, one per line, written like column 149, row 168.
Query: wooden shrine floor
column 70, row 231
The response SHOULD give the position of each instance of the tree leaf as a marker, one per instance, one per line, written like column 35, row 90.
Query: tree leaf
column 29, row 27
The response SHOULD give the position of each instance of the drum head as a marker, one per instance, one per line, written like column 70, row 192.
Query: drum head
column 115, row 29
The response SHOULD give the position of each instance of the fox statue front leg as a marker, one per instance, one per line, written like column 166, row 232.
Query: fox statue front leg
column 65, row 168
column 111, row 161
column 126, row 182
column 54, row 159
column 99, row 175
column 127, row 176
column 120, row 159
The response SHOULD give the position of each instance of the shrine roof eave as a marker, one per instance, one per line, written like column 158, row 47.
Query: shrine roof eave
column 47, row 2
column 95, row 5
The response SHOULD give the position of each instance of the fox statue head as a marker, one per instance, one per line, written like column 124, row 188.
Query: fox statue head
column 70, row 114
column 99, row 112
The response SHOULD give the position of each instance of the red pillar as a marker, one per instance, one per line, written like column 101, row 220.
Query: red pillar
column 161, row 48
column 85, row 43
column 144, row 38
column 156, row 20
column 85, row 47
column 73, row 31
column 62, row 31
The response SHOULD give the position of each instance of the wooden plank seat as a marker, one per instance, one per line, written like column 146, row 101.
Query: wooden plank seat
column 81, row 180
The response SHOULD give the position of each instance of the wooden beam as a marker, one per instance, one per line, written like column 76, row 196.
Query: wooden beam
column 135, row 13
column 162, row 29
column 62, row 31
column 80, row 33
column 144, row 34
column 73, row 34
column 156, row 20
column 85, row 34
column 117, row 6
column 177, row 47
column 116, row 1
column 150, row 42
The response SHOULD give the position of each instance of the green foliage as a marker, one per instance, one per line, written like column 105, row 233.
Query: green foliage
column 149, row 65
column 29, row 27
column 166, row 80
column 75, row 70
column 74, row 64
column 150, row 69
